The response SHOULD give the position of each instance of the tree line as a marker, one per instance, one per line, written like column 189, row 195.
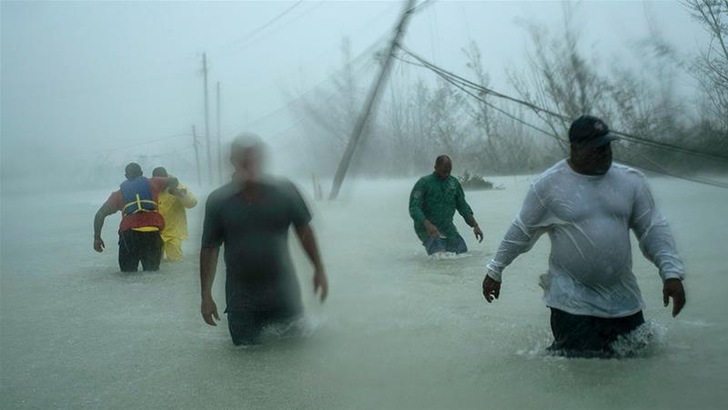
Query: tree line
column 420, row 117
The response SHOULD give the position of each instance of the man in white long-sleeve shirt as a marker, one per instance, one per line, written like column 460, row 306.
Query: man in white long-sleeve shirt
column 588, row 205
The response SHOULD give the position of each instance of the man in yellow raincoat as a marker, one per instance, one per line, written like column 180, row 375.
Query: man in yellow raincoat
column 172, row 205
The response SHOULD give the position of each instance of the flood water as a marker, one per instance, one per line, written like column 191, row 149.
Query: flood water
column 399, row 330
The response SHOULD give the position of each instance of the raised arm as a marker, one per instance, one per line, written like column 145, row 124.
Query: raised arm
column 308, row 242
column 658, row 245
column 171, row 182
column 186, row 197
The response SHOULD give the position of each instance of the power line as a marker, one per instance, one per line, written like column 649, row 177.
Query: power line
column 453, row 80
column 451, row 77
column 269, row 23
column 356, row 60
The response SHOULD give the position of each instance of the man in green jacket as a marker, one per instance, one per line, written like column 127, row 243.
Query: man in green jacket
column 432, row 205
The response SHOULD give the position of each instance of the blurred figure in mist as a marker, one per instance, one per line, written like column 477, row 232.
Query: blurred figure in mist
column 172, row 203
column 432, row 205
column 587, row 206
column 141, row 222
column 252, row 216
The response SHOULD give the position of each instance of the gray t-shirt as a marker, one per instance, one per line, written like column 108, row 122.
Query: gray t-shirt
column 260, row 273
column 588, row 219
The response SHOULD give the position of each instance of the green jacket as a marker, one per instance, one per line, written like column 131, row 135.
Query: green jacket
column 436, row 200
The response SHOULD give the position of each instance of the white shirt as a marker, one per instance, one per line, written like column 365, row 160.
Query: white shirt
column 588, row 219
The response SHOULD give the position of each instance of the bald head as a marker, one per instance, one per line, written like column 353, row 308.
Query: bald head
column 443, row 166
column 441, row 160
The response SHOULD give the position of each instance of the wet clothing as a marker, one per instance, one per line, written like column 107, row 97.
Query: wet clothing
column 589, row 336
column 260, row 275
column 246, row 327
column 437, row 200
column 172, row 248
column 144, row 220
column 453, row 245
column 139, row 238
column 135, row 247
column 172, row 207
column 588, row 219
column 137, row 194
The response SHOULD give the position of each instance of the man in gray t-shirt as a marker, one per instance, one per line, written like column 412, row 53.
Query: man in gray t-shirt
column 587, row 206
column 251, row 216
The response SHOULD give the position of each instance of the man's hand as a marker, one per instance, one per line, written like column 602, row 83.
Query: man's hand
column 491, row 288
column 673, row 288
column 431, row 229
column 320, row 281
column 478, row 233
column 178, row 191
column 209, row 310
column 99, row 244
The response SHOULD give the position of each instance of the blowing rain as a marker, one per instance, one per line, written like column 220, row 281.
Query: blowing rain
column 364, row 205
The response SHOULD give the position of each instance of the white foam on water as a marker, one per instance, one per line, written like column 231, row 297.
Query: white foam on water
column 302, row 328
column 645, row 341
column 448, row 256
column 399, row 329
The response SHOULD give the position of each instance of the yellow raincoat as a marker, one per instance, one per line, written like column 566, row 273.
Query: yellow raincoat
column 172, row 207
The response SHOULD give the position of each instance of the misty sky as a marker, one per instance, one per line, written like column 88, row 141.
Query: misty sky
column 85, row 80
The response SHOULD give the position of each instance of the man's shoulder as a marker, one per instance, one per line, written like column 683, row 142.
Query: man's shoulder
column 453, row 181
column 625, row 170
column 627, row 175
column 281, row 185
column 222, row 193
column 552, row 173
column 115, row 200
column 426, row 179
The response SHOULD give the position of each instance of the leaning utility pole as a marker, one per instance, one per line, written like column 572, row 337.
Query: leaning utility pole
column 207, row 118
column 371, row 100
column 219, row 142
column 197, row 155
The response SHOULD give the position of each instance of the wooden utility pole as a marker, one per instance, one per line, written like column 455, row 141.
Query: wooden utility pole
column 207, row 119
column 371, row 100
column 197, row 155
column 219, row 142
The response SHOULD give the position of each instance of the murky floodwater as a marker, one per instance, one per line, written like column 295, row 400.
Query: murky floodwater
column 399, row 330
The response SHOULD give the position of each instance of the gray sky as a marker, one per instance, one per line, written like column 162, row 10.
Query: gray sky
column 84, row 80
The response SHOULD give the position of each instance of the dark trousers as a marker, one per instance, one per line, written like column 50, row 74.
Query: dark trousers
column 589, row 336
column 135, row 247
column 246, row 327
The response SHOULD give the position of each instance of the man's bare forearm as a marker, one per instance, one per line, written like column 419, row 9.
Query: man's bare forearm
column 308, row 241
column 470, row 220
column 208, row 266
column 101, row 214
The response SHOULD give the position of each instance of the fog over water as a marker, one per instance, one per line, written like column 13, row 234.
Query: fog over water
column 398, row 331
column 87, row 87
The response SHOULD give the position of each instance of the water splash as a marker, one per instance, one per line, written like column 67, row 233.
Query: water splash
column 645, row 341
column 448, row 256
column 302, row 328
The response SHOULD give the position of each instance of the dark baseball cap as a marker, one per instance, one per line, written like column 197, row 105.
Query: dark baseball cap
column 590, row 130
